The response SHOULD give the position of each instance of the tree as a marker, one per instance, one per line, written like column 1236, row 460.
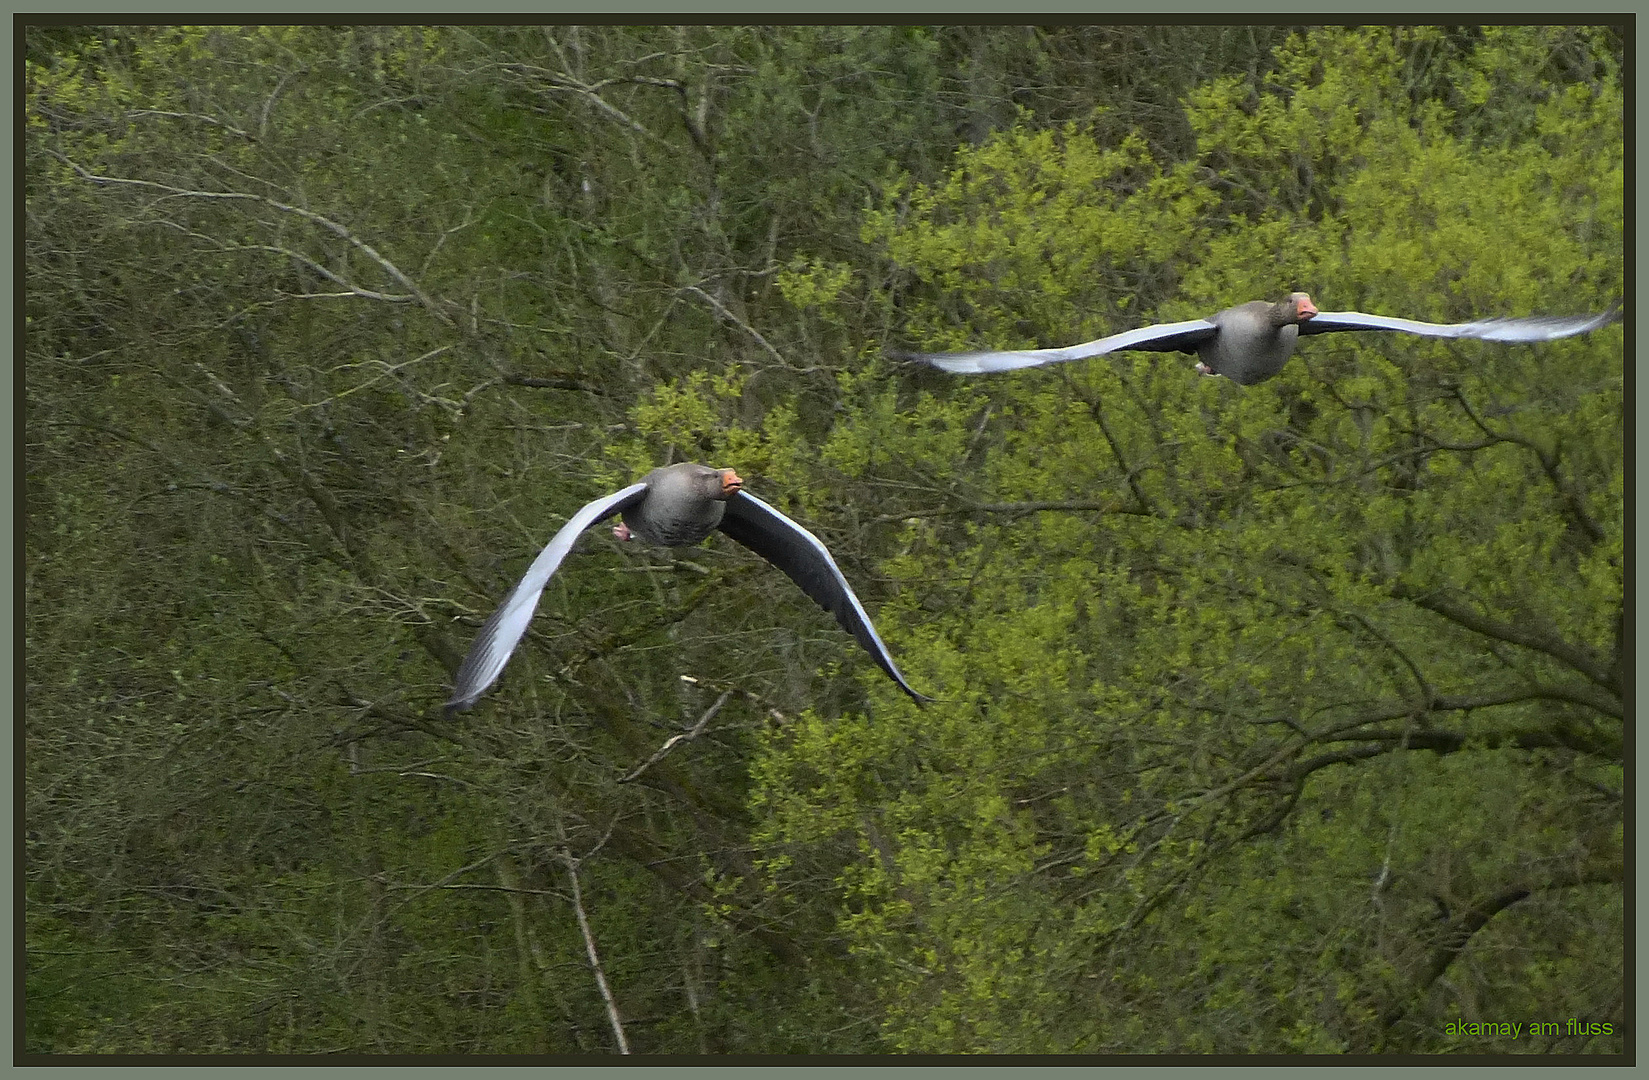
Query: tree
column 1285, row 718
column 327, row 339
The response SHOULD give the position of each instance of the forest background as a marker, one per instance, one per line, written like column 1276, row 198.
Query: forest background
column 1282, row 719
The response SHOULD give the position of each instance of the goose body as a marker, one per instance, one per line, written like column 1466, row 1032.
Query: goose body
column 1251, row 342
column 676, row 506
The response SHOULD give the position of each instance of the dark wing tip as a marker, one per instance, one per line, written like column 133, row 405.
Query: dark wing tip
column 918, row 359
column 805, row 560
column 885, row 662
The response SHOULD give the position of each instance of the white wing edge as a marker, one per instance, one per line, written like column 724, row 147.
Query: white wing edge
column 503, row 630
column 1533, row 328
column 819, row 549
column 983, row 363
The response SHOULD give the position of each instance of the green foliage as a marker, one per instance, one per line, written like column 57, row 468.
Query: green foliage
column 1153, row 684
column 1248, row 700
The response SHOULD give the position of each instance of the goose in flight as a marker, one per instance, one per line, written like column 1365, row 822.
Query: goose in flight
column 1250, row 343
column 676, row 506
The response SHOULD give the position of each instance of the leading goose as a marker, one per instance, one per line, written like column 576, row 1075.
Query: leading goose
column 1250, row 343
column 676, row 506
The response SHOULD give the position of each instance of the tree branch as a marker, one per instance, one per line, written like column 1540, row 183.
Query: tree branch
column 741, row 324
column 536, row 383
column 225, row 125
column 1578, row 657
column 1017, row 508
column 560, row 80
column 698, row 729
column 1130, row 473
column 1427, row 694
column 590, row 951
column 1458, row 931
column 308, row 215
column 1449, row 742
column 1548, row 463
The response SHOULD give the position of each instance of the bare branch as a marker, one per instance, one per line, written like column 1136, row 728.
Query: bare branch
column 560, row 80
column 1015, row 508
column 231, row 128
column 308, row 215
column 336, row 279
column 698, row 729
column 554, row 384
column 446, row 882
column 211, row 483
column 595, row 957
column 269, row 103
column 740, row 323
column 386, row 371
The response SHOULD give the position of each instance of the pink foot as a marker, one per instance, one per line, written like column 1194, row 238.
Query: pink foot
column 622, row 531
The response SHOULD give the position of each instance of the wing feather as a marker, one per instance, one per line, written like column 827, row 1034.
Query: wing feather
column 1165, row 337
column 1534, row 328
column 502, row 631
column 807, row 562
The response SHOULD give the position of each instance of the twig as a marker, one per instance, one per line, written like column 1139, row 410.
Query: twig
column 1578, row 657
column 595, row 958
column 309, row 215
column 269, row 103
column 231, row 128
column 686, row 736
column 535, row 382
column 1548, row 462
column 387, row 370
column 1427, row 694
column 1382, row 880
column 740, row 323
column 1104, row 507
column 561, row 80
column 420, row 889
column 337, row 279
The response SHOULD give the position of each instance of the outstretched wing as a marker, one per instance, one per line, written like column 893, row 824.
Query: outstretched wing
column 1535, row 328
column 1165, row 337
column 807, row 562
column 503, row 629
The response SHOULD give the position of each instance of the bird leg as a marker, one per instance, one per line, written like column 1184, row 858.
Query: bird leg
column 622, row 531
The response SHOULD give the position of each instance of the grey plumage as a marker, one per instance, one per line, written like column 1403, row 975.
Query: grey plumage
column 677, row 506
column 1251, row 342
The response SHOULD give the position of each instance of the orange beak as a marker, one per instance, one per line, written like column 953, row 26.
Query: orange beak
column 730, row 483
column 1306, row 308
